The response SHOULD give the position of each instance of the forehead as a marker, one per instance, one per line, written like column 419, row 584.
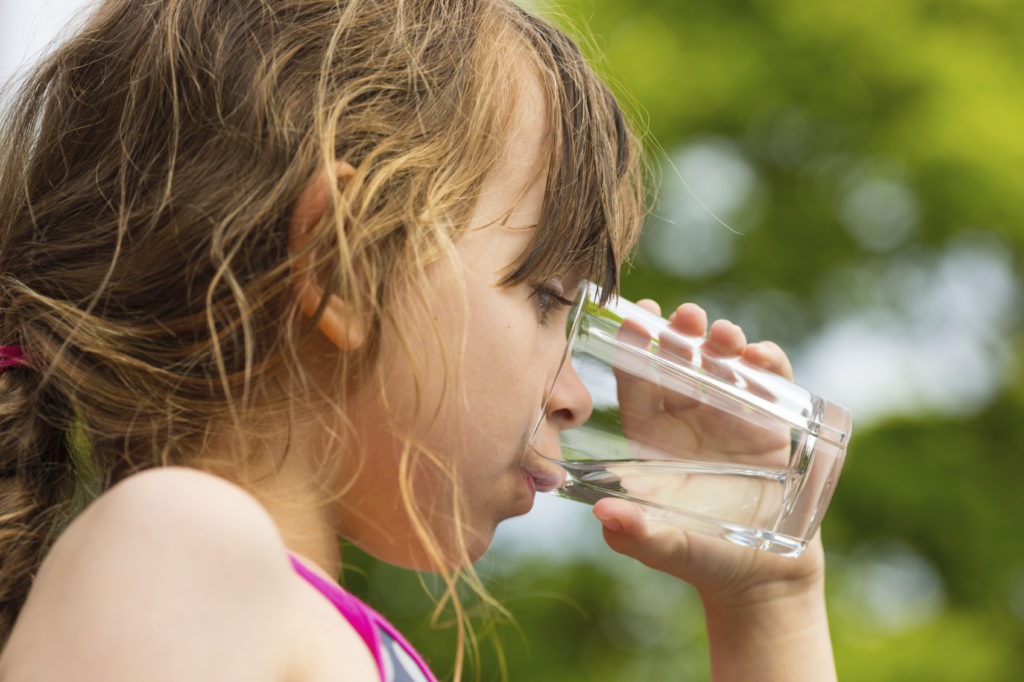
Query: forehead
column 571, row 158
column 512, row 194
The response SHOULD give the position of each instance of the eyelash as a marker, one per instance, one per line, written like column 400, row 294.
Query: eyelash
column 548, row 300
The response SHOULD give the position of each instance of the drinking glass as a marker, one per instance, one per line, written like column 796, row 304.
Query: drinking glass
column 709, row 444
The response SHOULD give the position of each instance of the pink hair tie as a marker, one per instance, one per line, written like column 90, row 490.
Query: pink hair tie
column 11, row 356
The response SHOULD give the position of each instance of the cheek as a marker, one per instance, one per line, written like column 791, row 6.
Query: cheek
column 506, row 361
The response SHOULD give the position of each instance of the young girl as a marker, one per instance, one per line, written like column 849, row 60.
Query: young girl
column 282, row 272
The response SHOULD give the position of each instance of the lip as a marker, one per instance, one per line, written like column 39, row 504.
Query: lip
column 530, row 483
column 543, row 474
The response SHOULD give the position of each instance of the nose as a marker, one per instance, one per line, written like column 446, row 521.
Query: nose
column 569, row 404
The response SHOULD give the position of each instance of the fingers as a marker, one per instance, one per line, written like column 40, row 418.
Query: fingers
column 637, row 387
column 642, row 392
column 682, row 339
column 689, row 319
column 725, row 340
column 649, row 305
column 767, row 355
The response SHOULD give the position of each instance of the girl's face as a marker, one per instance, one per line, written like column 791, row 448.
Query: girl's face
column 483, row 359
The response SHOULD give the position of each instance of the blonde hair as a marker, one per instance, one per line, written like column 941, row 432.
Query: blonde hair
column 149, row 168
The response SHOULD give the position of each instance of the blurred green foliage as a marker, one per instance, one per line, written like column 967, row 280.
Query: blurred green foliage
column 919, row 104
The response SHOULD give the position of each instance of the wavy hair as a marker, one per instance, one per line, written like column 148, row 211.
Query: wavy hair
column 148, row 170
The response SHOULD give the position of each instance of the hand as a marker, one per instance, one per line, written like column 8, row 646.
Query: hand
column 655, row 415
column 661, row 412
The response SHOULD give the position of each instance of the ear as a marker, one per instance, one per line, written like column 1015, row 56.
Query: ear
column 337, row 320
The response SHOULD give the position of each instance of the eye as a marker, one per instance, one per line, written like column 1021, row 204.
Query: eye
column 550, row 300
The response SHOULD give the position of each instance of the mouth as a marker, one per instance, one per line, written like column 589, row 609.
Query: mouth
column 543, row 474
column 531, row 483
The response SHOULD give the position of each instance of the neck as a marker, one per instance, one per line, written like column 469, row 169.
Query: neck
column 287, row 485
column 306, row 530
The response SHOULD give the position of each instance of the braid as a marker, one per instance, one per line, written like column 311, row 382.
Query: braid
column 37, row 481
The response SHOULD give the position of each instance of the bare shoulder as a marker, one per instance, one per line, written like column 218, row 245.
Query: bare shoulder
column 172, row 574
column 176, row 521
column 187, row 506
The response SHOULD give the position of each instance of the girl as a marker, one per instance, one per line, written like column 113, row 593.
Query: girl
column 277, row 273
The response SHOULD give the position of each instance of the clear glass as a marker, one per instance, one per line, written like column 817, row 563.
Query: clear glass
column 708, row 444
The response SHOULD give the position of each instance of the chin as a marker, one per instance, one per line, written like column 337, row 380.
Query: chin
column 475, row 546
column 448, row 556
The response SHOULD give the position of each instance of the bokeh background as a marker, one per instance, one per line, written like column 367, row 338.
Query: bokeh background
column 848, row 180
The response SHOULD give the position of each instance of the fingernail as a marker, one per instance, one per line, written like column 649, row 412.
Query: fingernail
column 611, row 524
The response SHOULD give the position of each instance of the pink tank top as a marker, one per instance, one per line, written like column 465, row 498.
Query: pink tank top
column 396, row 660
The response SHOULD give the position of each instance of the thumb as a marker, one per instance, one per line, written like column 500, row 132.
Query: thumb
column 628, row 532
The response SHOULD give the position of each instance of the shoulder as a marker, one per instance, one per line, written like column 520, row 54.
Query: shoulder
column 191, row 507
column 176, row 525
column 171, row 574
